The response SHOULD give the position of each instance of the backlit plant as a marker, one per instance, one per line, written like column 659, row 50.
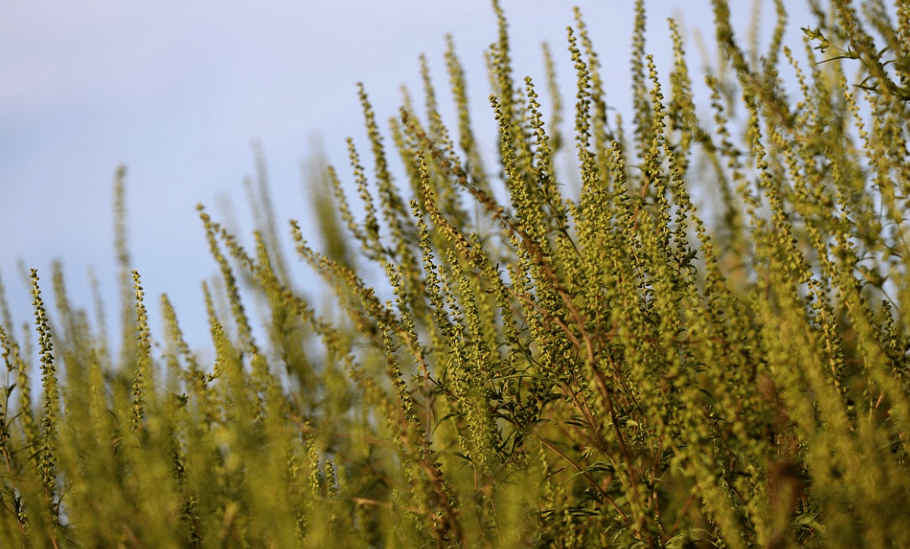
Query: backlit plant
column 616, row 368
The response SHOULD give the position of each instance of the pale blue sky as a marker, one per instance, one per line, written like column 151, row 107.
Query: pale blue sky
column 178, row 90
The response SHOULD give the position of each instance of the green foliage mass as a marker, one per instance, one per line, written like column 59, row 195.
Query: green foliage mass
column 609, row 369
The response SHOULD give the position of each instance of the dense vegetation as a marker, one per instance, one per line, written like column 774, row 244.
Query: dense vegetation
column 608, row 369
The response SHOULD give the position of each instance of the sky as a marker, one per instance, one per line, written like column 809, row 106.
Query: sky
column 178, row 91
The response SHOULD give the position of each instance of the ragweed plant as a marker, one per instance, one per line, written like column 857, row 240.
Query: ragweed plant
column 616, row 368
